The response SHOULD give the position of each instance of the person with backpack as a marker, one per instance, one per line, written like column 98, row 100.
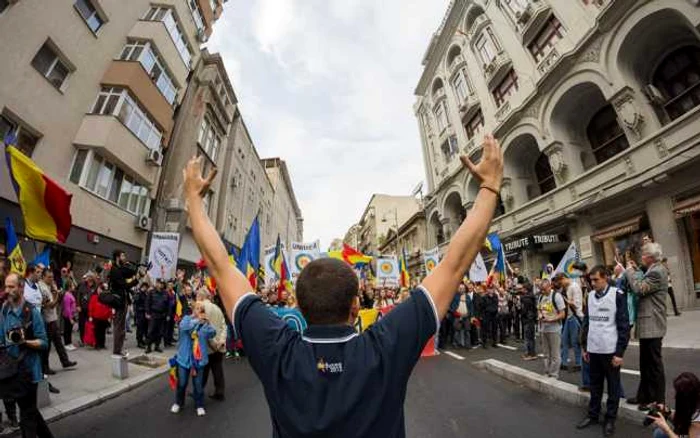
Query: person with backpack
column 528, row 310
column 550, row 314
column 22, row 338
column 573, row 297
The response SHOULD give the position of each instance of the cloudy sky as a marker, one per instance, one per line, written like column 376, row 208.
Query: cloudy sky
column 328, row 86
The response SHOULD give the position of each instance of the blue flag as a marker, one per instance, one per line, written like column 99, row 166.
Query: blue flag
column 44, row 258
column 250, row 251
column 14, row 251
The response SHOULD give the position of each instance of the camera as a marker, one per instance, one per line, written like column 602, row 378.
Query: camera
column 654, row 411
column 15, row 336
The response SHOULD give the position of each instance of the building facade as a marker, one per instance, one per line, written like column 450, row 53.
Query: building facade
column 90, row 88
column 352, row 236
column 381, row 214
column 286, row 216
column 411, row 238
column 596, row 106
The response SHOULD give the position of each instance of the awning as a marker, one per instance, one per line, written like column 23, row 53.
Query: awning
column 687, row 206
column 619, row 229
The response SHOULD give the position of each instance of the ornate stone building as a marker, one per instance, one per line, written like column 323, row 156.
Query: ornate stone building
column 595, row 103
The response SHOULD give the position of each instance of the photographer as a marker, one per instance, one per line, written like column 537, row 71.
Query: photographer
column 121, row 280
column 685, row 420
column 22, row 337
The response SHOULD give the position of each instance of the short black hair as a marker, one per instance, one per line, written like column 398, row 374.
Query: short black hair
column 326, row 289
column 117, row 253
column 600, row 270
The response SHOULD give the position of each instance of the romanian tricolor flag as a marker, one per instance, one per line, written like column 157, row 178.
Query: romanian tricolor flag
column 172, row 373
column 210, row 283
column 45, row 205
column 350, row 255
column 249, row 259
column 281, row 269
column 196, row 347
column 178, row 309
column 14, row 252
column 404, row 279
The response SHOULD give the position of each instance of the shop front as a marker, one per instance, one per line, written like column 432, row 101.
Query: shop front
column 532, row 253
column 621, row 242
column 687, row 213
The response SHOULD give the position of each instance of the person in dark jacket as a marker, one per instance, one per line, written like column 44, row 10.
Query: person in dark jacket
column 122, row 277
column 157, row 308
column 490, row 317
column 169, row 324
column 86, row 288
column 528, row 314
column 140, row 298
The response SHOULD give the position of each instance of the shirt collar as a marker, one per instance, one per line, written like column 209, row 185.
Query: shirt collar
column 329, row 334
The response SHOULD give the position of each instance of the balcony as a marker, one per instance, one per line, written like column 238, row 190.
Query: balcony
column 111, row 139
column 530, row 21
column 155, row 31
column 497, row 68
column 467, row 108
column 548, row 61
column 479, row 23
column 503, row 111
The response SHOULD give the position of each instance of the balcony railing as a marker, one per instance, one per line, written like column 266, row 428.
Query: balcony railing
column 548, row 61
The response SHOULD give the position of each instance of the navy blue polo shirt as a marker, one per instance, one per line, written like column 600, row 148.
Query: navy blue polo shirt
column 331, row 381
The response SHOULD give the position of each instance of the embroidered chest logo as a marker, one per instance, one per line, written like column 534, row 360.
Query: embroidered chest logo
column 329, row 367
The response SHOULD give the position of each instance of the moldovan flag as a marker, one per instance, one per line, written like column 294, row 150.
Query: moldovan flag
column 45, row 205
column 14, row 252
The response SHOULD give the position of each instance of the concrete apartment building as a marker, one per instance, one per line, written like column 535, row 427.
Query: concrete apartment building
column 286, row 214
column 90, row 88
column 382, row 213
column 596, row 105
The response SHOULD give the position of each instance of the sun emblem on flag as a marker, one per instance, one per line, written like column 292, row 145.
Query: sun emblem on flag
column 386, row 267
column 302, row 260
column 430, row 265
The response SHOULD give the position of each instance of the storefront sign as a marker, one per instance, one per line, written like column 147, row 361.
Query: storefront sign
column 586, row 247
column 163, row 255
column 537, row 239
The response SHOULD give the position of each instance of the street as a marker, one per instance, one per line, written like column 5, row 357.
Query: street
column 446, row 398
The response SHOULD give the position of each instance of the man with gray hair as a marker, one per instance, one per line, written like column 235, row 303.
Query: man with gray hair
column 216, row 347
column 652, row 289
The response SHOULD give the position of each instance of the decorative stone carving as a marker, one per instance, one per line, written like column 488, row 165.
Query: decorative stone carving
column 629, row 164
column 592, row 54
column 507, row 192
column 661, row 148
column 628, row 112
column 572, row 190
column 555, row 153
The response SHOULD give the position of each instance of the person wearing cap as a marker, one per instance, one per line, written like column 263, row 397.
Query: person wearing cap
column 331, row 381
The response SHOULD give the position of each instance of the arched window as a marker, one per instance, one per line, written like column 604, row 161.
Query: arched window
column 605, row 134
column 544, row 175
column 678, row 78
column 500, row 208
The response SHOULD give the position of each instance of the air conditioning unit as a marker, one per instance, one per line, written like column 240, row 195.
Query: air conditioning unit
column 202, row 36
column 143, row 222
column 155, row 157
column 654, row 95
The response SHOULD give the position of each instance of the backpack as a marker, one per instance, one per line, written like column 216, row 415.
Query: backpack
column 111, row 299
column 554, row 301
column 10, row 383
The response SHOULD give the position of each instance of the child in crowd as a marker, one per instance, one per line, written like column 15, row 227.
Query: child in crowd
column 195, row 332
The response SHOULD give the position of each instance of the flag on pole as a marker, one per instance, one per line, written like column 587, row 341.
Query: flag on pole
column 431, row 258
column 404, row 279
column 281, row 268
column 14, row 252
column 249, row 258
column 350, row 255
column 44, row 257
column 493, row 243
column 566, row 265
column 478, row 271
column 45, row 205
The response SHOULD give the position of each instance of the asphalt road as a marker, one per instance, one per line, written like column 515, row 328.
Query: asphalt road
column 446, row 398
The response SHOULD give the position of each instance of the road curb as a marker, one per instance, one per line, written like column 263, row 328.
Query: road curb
column 63, row 410
column 556, row 389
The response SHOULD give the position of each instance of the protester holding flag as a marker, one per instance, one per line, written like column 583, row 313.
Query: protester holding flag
column 195, row 334
column 216, row 347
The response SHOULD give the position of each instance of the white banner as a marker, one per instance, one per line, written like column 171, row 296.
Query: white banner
column 303, row 253
column 163, row 255
column 387, row 271
column 431, row 258
column 566, row 264
column 478, row 271
column 268, row 260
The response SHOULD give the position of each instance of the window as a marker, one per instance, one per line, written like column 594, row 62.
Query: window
column 461, row 85
column 143, row 52
column 544, row 175
column 166, row 15
column 89, row 13
column 196, row 14
column 109, row 182
column 545, row 40
column 515, row 7
column 441, row 117
column 450, row 148
column 507, row 87
column 117, row 102
column 487, row 47
column 25, row 140
column 49, row 64
column 678, row 78
column 605, row 134
column 474, row 125
column 208, row 138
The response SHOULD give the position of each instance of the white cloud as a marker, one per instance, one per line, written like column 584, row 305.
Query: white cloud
column 328, row 86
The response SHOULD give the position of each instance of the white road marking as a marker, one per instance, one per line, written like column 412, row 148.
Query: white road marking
column 633, row 372
column 507, row 347
column 454, row 355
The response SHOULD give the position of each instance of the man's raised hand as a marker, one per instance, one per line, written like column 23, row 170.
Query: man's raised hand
column 195, row 184
column 489, row 170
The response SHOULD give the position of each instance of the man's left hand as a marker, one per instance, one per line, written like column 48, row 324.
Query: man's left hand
column 617, row 362
column 195, row 184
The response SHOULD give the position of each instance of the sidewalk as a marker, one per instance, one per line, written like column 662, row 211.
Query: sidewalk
column 91, row 381
column 682, row 331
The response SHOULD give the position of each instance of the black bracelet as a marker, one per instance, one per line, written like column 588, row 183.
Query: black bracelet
column 491, row 189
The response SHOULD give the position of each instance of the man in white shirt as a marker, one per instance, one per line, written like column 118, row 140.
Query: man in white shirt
column 32, row 293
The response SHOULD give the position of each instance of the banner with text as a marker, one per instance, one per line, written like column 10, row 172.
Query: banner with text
column 387, row 271
column 304, row 253
column 163, row 255
column 268, row 260
column 431, row 258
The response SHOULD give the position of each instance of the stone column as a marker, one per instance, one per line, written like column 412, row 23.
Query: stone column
column 635, row 116
column 446, row 230
column 665, row 230
column 507, row 196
